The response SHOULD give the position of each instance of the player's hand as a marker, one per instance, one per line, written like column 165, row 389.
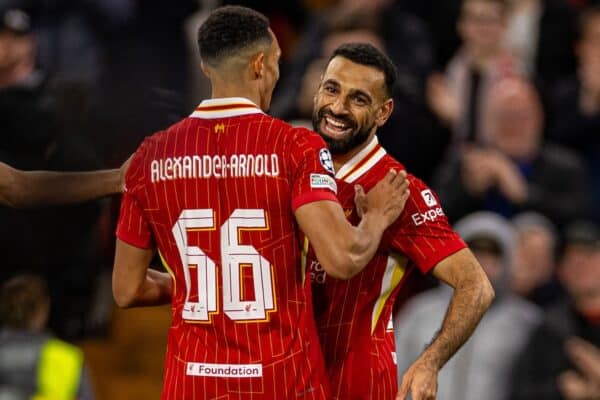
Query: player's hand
column 387, row 198
column 420, row 380
column 122, row 172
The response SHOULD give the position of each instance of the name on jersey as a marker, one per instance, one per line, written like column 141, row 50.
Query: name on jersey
column 431, row 215
column 224, row 370
column 217, row 166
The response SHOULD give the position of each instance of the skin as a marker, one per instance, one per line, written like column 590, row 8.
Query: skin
column 352, row 98
column 24, row 189
column 342, row 249
column 583, row 384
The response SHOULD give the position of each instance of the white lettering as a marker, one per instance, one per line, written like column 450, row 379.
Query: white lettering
column 154, row 166
column 224, row 370
column 216, row 166
column 427, row 216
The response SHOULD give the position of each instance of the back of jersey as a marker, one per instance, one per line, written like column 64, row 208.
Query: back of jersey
column 215, row 194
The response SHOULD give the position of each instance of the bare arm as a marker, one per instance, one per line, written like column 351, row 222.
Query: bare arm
column 342, row 249
column 473, row 294
column 22, row 189
column 134, row 285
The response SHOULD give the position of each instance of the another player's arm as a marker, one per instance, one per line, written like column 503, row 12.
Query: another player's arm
column 473, row 294
column 342, row 249
column 22, row 189
column 134, row 284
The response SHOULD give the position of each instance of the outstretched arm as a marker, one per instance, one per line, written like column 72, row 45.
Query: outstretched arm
column 473, row 294
column 342, row 249
column 23, row 189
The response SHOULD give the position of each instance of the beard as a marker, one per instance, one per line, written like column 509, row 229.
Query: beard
column 343, row 145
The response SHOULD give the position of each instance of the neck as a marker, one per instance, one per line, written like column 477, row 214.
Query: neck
column 231, row 87
column 340, row 159
column 481, row 58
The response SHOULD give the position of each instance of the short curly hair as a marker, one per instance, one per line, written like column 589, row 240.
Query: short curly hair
column 369, row 55
column 229, row 30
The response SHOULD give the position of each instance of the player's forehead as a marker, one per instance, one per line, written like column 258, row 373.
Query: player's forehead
column 350, row 75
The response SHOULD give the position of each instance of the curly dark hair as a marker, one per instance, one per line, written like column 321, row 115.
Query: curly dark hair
column 369, row 55
column 230, row 29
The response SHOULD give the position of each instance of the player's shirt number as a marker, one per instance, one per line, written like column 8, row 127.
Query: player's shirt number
column 234, row 257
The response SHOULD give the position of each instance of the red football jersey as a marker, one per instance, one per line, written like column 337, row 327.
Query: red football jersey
column 354, row 316
column 215, row 194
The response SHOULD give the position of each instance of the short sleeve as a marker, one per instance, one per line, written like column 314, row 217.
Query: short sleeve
column 312, row 171
column 133, row 227
column 423, row 232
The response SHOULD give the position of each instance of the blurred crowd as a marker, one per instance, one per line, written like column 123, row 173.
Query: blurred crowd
column 497, row 107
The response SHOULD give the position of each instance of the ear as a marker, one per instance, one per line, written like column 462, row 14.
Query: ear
column 384, row 112
column 205, row 69
column 258, row 65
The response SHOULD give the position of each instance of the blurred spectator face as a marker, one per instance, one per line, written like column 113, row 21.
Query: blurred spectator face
column 514, row 118
column 15, row 50
column 588, row 49
column 534, row 259
column 579, row 270
column 481, row 25
column 488, row 253
column 349, row 104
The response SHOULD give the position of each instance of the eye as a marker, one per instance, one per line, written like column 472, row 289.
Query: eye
column 360, row 100
column 329, row 89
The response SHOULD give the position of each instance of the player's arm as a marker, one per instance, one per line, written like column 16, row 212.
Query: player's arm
column 22, row 189
column 133, row 283
column 473, row 294
column 342, row 249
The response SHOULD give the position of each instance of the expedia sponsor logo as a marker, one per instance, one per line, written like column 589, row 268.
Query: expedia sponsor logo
column 224, row 370
column 319, row 181
column 428, row 216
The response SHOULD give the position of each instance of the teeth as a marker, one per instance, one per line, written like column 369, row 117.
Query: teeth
column 335, row 123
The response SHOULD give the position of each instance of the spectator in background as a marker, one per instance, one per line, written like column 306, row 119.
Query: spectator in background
column 541, row 34
column 481, row 368
column 542, row 371
column 517, row 172
column 459, row 98
column 533, row 274
column 28, row 128
column 33, row 363
column 37, row 135
column 575, row 102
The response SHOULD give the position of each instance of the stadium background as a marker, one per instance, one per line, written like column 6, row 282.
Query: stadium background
column 111, row 72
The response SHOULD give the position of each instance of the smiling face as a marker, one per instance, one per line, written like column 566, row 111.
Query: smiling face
column 350, row 104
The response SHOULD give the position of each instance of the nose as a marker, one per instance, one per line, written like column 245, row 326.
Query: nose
column 338, row 107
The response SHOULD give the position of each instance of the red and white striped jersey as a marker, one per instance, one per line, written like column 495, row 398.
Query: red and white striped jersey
column 215, row 194
column 354, row 316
